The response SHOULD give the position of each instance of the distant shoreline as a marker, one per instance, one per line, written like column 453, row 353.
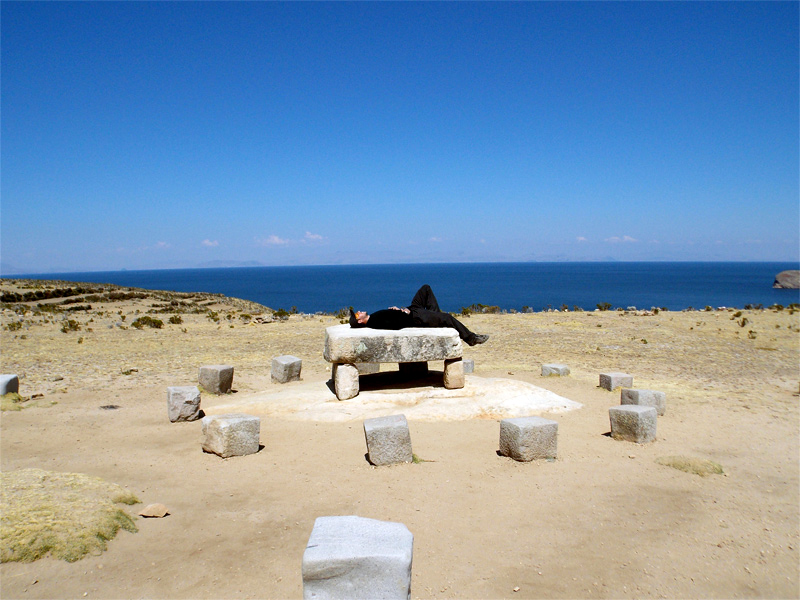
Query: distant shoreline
column 71, row 293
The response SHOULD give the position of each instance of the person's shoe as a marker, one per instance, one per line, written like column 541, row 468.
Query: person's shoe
column 477, row 338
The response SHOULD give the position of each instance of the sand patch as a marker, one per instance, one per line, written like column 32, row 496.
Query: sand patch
column 385, row 394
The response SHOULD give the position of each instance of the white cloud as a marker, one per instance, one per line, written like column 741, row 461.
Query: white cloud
column 210, row 244
column 582, row 239
column 312, row 237
column 616, row 240
column 161, row 245
column 272, row 240
column 436, row 239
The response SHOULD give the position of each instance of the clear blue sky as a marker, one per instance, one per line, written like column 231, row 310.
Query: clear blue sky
column 179, row 134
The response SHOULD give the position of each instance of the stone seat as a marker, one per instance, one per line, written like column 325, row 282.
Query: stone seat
column 413, row 347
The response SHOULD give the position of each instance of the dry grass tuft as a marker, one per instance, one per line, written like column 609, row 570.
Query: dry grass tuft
column 10, row 401
column 698, row 466
column 67, row 515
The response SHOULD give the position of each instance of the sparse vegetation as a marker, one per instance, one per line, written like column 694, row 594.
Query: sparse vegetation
column 147, row 321
column 70, row 325
column 486, row 309
column 65, row 515
column 697, row 466
column 11, row 402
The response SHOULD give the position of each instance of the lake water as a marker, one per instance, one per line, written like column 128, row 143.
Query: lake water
column 673, row 285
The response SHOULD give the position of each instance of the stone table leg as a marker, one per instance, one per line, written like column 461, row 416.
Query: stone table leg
column 345, row 380
column 453, row 373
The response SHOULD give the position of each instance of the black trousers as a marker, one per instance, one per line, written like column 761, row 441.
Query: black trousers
column 426, row 313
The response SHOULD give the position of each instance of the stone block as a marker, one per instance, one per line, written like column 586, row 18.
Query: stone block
column 350, row 557
column 388, row 440
column 9, row 384
column 345, row 381
column 286, row 368
column 345, row 344
column 633, row 423
column 556, row 370
column 611, row 381
column 216, row 379
column 469, row 365
column 528, row 438
column 231, row 435
column 657, row 400
column 183, row 403
column 453, row 373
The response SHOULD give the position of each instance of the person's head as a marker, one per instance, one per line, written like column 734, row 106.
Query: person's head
column 358, row 319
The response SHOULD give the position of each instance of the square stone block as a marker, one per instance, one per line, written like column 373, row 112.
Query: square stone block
column 388, row 440
column 352, row 557
column 528, row 438
column 231, row 435
column 453, row 373
column 286, row 368
column 611, row 381
column 9, row 384
column 216, row 379
column 555, row 370
column 345, row 381
column 183, row 403
column 469, row 365
column 657, row 400
column 633, row 423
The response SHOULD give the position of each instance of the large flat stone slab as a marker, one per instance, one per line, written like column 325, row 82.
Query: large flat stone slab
column 480, row 398
column 345, row 344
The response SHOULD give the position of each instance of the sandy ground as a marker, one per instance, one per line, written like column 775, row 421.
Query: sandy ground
column 604, row 520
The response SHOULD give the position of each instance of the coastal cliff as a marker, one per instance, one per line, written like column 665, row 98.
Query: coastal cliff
column 789, row 280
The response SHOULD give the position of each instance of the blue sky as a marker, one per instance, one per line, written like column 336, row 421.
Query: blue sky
column 179, row 134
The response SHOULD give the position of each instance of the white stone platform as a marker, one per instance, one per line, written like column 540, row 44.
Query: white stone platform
column 427, row 400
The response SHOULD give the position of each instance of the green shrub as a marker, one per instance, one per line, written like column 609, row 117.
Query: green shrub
column 603, row 306
column 175, row 320
column 147, row 321
column 70, row 325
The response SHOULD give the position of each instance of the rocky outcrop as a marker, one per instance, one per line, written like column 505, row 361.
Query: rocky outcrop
column 789, row 280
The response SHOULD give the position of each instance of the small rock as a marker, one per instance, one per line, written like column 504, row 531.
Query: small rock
column 154, row 511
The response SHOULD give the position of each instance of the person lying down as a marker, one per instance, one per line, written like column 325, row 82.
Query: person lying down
column 423, row 311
